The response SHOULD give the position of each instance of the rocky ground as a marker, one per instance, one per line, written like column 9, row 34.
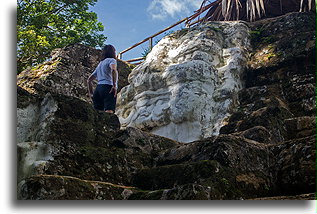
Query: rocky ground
column 266, row 149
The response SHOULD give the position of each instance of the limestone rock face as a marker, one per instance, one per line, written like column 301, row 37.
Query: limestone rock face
column 187, row 85
column 65, row 136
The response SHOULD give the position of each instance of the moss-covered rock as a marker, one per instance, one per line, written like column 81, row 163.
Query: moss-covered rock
column 295, row 166
column 309, row 196
column 54, row 187
column 81, row 142
column 67, row 72
column 281, row 39
column 169, row 176
column 218, row 182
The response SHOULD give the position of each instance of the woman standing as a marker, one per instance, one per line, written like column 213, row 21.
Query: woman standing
column 104, row 97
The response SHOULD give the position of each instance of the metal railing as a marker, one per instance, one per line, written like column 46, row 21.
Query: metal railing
column 188, row 23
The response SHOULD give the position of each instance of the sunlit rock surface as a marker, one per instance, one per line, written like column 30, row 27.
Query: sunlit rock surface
column 67, row 72
column 188, row 83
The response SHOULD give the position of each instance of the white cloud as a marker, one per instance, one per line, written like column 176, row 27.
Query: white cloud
column 162, row 9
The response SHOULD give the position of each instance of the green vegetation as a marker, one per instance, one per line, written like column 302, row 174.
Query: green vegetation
column 270, row 55
column 225, row 181
column 256, row 34
column 43, row 25
column 216, row 29
column 267, row 39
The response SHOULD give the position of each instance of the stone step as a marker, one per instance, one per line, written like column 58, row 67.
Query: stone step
column 300, row 127
column 271, row 117
column 259, row 93
column 304, row 107
column 262, row 77
column 243, row 112
column 297, row 127
column 295, row 166
column 169, row 176
column 308, row 196
column 56, row 187
column 299, row 87
column 221, row 182
column 258, row 133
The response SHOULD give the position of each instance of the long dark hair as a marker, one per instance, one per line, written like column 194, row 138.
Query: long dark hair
column 108, row 52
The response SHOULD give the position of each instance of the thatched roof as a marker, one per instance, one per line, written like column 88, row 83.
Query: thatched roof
column 251, row 10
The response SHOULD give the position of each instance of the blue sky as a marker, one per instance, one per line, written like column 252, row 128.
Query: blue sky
column 127, row 22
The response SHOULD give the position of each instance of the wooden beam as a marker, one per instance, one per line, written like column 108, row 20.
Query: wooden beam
column 136, row 59
column 151, row 43
column 195, row 22
column 154, row 35
column 188, row 24
column 137, row 63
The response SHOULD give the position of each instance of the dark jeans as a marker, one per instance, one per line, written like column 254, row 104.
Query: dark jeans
column 103, row 100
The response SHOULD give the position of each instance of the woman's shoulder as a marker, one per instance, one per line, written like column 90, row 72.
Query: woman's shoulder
column 109, row 60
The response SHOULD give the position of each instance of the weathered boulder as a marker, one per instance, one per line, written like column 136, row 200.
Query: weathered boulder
column 280, row 84
column 61, row 135
column 277, row 105
column 188, row 82
column 294, row 167
column 309, row 196
column 300, row 127
column 55, row 187
column 271, row 116
column 278, row 41
column 216, row 163
column 67, row 72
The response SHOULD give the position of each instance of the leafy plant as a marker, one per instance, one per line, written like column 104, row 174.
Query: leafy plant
column 267, row 39
column 270, row 55
column 255, row 34
column 43, row 25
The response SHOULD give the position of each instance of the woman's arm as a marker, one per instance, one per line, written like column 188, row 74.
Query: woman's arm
column 89, row 81
column 114, row 73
